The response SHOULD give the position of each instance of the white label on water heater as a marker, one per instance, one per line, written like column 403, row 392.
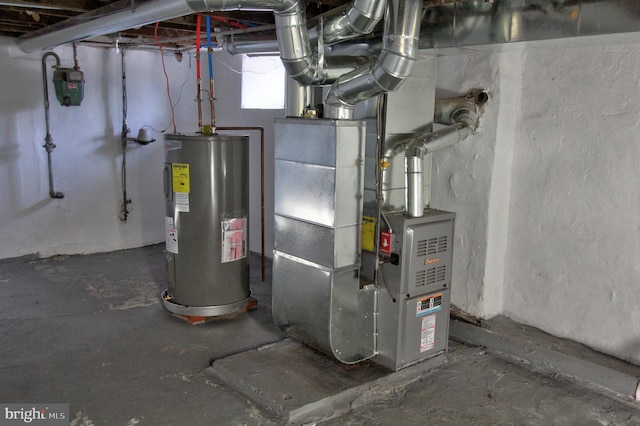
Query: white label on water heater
column 182, row 201
column 234, row 239
column 428, row 333
column 171, row 236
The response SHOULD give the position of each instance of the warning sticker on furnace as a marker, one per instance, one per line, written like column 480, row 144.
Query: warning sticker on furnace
column 368, row 233
column 428, row 305
column 234, row 239
column 180, row 177
column 428, row 333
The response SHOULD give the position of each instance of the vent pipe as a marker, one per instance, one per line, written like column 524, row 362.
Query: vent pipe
column 462, row 115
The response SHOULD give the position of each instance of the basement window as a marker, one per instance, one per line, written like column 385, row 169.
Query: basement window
column 263, row 80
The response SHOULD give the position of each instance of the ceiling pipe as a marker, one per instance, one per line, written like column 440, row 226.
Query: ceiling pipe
column 299, row 59
column 83, row 27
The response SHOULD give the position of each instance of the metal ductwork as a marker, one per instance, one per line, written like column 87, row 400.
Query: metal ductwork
column 361, row 19
column 389, row 70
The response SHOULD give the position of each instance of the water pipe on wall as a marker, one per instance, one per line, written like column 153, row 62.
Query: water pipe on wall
column 143, row 138
column 49, row 146
column 124, row 211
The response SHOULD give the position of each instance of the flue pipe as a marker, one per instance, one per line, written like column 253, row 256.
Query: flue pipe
column 462, row 114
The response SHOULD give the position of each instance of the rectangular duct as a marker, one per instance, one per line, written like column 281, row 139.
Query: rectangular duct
column 318, row 213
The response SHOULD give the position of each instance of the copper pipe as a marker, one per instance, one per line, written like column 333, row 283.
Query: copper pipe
column 211, row 104
column 261, row 129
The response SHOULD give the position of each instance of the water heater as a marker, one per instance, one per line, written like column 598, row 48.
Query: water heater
column 207, row 197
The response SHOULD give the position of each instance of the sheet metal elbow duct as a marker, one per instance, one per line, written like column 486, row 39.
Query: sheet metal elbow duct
column 389, row 70
column 361, row 19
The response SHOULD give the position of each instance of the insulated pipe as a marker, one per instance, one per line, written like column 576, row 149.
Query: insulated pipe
column 388, row 72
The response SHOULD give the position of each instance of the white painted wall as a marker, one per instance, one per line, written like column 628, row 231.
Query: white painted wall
column 573, row 262
column 87, row 160
column 462, row 174
column 546, row 193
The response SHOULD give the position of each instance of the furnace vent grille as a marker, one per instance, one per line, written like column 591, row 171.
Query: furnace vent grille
column 432, row 246
column 431, row 275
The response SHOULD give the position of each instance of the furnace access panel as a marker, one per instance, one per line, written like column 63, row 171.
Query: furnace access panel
column 413, row 321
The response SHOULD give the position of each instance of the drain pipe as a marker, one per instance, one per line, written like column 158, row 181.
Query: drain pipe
column 462, row 115
column 49, row 146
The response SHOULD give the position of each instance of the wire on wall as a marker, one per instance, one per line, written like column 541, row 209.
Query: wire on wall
column 164, row 69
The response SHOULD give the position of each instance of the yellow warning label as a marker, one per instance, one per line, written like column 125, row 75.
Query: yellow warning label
column 180, row 177
column 368, row 233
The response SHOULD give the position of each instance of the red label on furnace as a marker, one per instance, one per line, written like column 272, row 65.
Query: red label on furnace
column 385, row 243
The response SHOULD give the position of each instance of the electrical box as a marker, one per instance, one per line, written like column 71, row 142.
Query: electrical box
column 413, row 303
column 69, row 84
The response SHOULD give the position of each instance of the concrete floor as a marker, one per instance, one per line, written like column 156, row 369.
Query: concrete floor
column 91, row 331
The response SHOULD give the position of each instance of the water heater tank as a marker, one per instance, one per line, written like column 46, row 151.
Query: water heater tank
column 207, row 196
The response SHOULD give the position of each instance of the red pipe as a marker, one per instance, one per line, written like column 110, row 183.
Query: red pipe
column 233, row 23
